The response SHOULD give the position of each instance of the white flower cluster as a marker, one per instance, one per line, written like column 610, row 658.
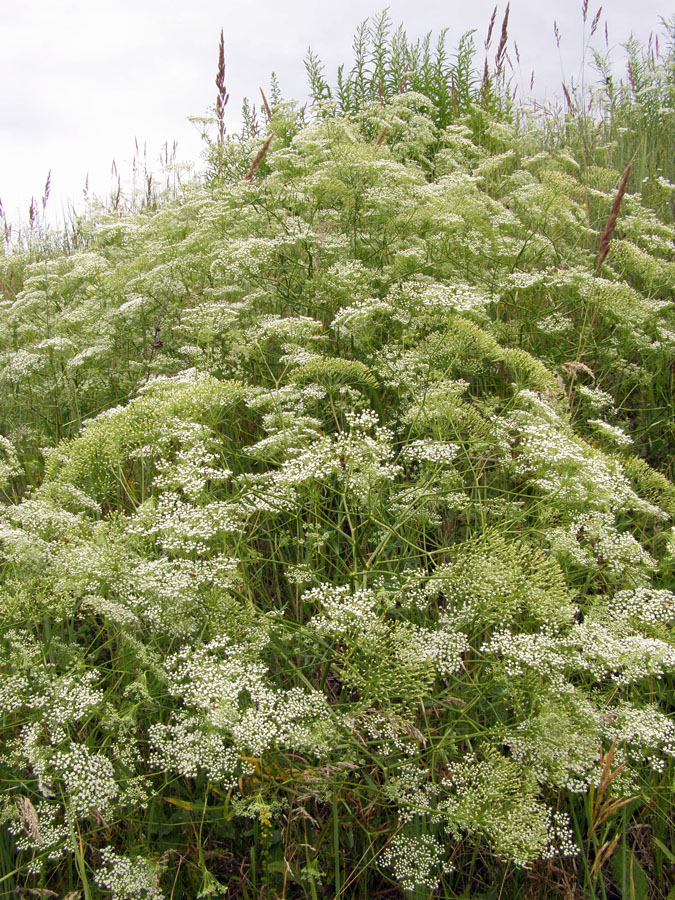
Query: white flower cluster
column 296, row 356
column 561, row 744
column 55, row 344
column 593, row 540
column 414, row 793
column 391, row 735
column 361, row 462
column 89, row 779
column 187, row 746
column 344, row 609
column 623, row 658
column 193, row 467
column 169, row 594
column 301, row 574
column 492, row 165
column 645, row 733
column 86, row 266
column 670, row 543
column 591, row 646
column 90, row 354
column 41, row 517
column 596, row 398
column 287, row 434
column 21, row 365
column 295, row 719
column 555, row 323
column 181, row 526
column 360, row 318
column 612, row 432
column 15, row 691
column 10, row 466
column 111, row 610
column 287, row 419
column 427, row 450
column 649, row 605
column 69, row 699
column 361, row 616
column 442, row 649
column 543, row 652
column 458, row 296
column 39, row 829
column 521, row 281
column 560, row 836
column 295, row 328
column 491, row 796
column 568, row 470
column 231, row 690
column 417, row 860
column 362, row 420
column 128, row 879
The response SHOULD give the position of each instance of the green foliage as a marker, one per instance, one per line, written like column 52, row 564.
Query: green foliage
column 336, row 528
column 386, row 64
column 615, row 122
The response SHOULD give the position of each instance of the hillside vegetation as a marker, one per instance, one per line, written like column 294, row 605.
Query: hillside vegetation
column 337, row 524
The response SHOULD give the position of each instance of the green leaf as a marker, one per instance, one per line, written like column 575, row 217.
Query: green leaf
column 669, row 855
column 629, row 875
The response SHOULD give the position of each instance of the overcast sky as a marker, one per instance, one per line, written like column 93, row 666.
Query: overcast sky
column 83, row 78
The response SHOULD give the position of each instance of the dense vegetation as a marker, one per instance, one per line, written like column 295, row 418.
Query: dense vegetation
column 336, row 525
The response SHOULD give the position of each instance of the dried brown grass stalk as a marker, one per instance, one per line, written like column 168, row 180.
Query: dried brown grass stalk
column 485, row 87
column 606, row 236
column 268, row 111
column 596, row 21
column 28, row 817
column 223, row 96
column 45, row 893
column 259, row 158
column 501, row 48
column 48, row 186
column 488, row 39
column 381, row 136
column 603, row 854
column 603, row 806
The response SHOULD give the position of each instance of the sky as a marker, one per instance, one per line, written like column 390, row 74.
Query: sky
column 84, row 80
